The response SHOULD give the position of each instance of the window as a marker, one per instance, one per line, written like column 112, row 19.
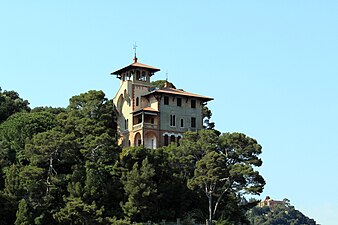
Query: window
column 172, row 120
column 182, row 123
column 137, row 101
column 178, row 140
column 179, row 102
column 138, row 75
column 139, row 119
column 143, row 76
column 166, row 140
column 126, row 124
column 152, row 120
column 193, row 103
column 172, row 139
column 166, row 100
column 193, row 122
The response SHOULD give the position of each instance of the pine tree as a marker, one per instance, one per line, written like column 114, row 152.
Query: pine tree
column 22, row 217
column 140, row 189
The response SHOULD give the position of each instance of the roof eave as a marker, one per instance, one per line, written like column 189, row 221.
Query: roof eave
column 120, row 71
column 199, row 97
column 145, row 110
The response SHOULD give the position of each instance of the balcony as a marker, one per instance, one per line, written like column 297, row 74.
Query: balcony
column 145, row 125
column 150, row 126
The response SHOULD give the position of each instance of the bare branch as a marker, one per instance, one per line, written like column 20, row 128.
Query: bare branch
column 218, row 201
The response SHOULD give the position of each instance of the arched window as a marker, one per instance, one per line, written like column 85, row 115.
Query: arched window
column 172, row 138
column 137, row 101
column 178, row 140
column 150, row 140
column 143, row 77
column 138, row 140
column 126, row 124
column 120, row 102
column 166, row 140
column 138, row 75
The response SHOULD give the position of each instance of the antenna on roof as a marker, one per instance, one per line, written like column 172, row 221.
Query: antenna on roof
column 166, row 83
column 134, row 47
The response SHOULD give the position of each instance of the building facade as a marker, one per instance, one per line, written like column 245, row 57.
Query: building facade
column 270, row 203
column 153, row 117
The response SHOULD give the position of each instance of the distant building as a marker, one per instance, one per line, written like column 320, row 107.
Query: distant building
column 153, row 117
column 270, row 203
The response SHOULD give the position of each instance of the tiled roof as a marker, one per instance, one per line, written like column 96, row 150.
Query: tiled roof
column 149, row 109
column 135, row 65
column 173, row 91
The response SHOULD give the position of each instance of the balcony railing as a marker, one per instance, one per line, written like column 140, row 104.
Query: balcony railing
column 150, row 125
column 137, row 126
column 145, row 125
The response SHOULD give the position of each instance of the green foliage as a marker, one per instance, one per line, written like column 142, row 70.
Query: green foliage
column 9, row 195
column 140, row 189
column 220, row 165
column 14, row 186
column 115, row 221
column 51, row 110
column 206, row 119
column 7, row 212
column 209, row 170
column 161, row 84
column 17, row 130
column 15, row 133
column 22, row 216
column 78, row 212
column 88, row 137
column 68, row 172
column 172, row 198
column 11, row 103
column 63, row 166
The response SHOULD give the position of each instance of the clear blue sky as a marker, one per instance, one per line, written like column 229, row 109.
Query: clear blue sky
column 272, row 67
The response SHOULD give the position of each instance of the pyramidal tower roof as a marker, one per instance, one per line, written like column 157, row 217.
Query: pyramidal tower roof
column 135, row 65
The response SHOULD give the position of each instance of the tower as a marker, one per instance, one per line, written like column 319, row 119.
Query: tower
column 153, row 117
column 135, row 82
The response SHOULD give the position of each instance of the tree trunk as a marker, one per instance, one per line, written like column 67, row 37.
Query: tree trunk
column 210, row 209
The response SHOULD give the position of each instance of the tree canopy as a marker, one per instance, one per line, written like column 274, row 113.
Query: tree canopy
column 221, row 165
column 161, row 84
column 64, row 166
column 69, row 159
column 10, row 103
